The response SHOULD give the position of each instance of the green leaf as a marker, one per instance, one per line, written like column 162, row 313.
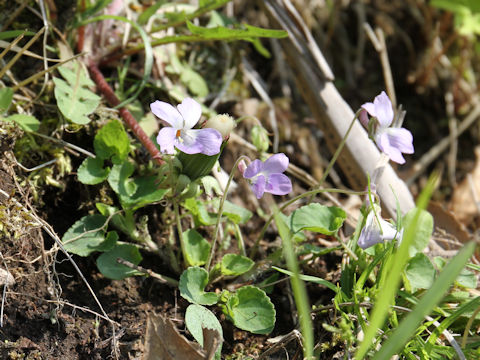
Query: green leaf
column 197, row 318
column 192, row 286
column 146, row 192
column 119, row 179
column 6, row 97
column 91, row 171
column 210, row 184
column 118, row 220
column 424, row 230
column 235, row 213
column 467, row 279
column 87, row 236
column 318, row 218
column 147, row 14
column 310, row 278
column 110, row 268
column 420, row 272
column 298, row 286
column 234, row 265
column 112, row 141
column 28, row 123
column 74, row 99
column 222, row 33
column 432, row 297
column 14, row 33
column 196, row 247
column 251, row 309
column 199, row 212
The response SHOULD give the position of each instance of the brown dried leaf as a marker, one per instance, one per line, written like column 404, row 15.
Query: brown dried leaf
column 447, row 221
column 164, row 342
column 466, row 194
column 211, row 341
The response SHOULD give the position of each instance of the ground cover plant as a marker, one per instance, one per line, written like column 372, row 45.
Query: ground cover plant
column 198, row 180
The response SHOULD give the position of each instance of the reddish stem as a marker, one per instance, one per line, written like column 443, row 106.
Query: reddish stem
column 112, row 99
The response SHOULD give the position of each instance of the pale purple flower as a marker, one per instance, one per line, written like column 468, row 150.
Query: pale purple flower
column 391, row 141
column 181, row 134
column 268, row 176
column 377, row 230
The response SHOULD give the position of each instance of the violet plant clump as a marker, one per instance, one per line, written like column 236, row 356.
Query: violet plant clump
column 180, row 134
column 390, row 140
column 268, row 176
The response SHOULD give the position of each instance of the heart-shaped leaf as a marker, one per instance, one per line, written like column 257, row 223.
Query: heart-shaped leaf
column 251, row 309
column 318, row 218
column 108, row 265
column 192, row 286
column 234, row 265
column 196, row 247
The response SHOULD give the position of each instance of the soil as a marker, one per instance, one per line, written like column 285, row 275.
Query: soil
column 50, row 314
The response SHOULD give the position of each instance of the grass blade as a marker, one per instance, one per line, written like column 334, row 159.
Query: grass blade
column 432, row 297
column 298, row 286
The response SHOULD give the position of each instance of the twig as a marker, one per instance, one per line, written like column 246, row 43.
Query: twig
column 281, row 341
column 112, row 99
column 67, row 144
column 4, row 290
column 430, row 156
column 453, row 127
column 38, row 167
column 162, row 278
column 258, row 85
column 378, row 40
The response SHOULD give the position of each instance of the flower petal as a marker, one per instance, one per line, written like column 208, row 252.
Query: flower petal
column 388, row 231
column 278, row 184
column 167, row 113
column 370, row 234
column 205, row 141
column 383, row 110
column 253, row 169
column 258, row 186
column 401, row 139
column 276, row 164
column 191, row 112
column 383, row 141
column 166, row 138
column 370, row 108
column 363, row 117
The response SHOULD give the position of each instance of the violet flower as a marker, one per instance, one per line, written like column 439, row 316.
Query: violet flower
column 181, row 134
column 268, row 176
column 374, row 232
column 391, row 141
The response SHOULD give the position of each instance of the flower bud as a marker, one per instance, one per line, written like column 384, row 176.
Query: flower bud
column 259, row 137
column 223, row 123
column 242, row 166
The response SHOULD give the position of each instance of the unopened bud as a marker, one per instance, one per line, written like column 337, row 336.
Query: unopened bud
column 223, row 123
column 260, row 138
column 242, row 166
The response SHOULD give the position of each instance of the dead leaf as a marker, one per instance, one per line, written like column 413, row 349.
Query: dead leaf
column 466, row 194
column 164, row 342
column 211, row 341
column 447, row 221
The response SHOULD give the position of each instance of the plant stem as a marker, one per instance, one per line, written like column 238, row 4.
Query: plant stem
column 337, row 152
column 220, row 211
column 112, row 99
